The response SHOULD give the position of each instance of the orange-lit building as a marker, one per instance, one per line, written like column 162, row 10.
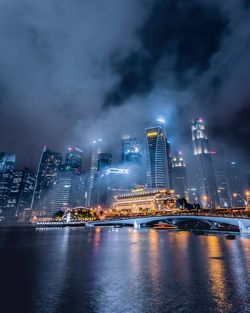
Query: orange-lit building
column 142, row 201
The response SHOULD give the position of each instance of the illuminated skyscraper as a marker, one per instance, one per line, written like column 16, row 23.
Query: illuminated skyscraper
column 46, row 177
column 206, row 178
column 156, row 158
column 73, row 160
column 27, row 190
column 235, row 185
column 179, row 175
column 7, row 164
column 131, row 150
column 97, row 148
column 219, row 163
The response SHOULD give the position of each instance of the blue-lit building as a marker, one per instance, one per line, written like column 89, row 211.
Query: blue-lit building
column 157, row 175
column 205, row 170
column 235, row 184
column 180, row 185
column 46, row 177
column 131, row 150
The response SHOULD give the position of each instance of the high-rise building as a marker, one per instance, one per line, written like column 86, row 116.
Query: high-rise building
column 7, row 164
column 131, row 150
column 45, row 178
column 113, row 181
column 156, row 158
column 179, row 175
column 235, row 185
column 205, row 171
column 169, row 165
column 7, row 161
column 97, row 148
column 27, row 190
column 219, row 163
column 14, row 194
column 73, row 160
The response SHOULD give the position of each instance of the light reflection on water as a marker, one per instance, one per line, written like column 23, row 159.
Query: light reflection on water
column 122, row 270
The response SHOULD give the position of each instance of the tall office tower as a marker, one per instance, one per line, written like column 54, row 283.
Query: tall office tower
column 169, row 165
column 104, row 163
column 156, row 158
column 7, row 164
column 131, row 150
column 206, row 178
column 114, row 180
column 45, row 178
column 14, row 194
column 73, row 160
column 179, row 175
column 219, row 163
column 248, row 181
column 235, row 185
column 27, row 190
column 97, row 148
column 7, row 161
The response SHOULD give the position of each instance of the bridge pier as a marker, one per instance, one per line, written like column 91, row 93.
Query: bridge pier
column 137, row 225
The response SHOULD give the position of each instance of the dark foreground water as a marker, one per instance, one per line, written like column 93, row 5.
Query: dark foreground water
column 100, row 270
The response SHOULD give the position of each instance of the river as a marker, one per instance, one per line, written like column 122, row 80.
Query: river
column 105, row 270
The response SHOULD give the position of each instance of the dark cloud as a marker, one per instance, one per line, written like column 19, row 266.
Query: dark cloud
column 185, row 32
column 73, row 70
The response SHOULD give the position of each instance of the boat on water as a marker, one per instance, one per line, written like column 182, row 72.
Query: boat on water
column 165, row 226
column 230, row 237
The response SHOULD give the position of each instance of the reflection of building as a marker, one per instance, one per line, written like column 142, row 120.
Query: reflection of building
column 235, row 185
column 144, row 201
column 45, row 179
column 206, row 178
column 156, row 158
column 179, row 175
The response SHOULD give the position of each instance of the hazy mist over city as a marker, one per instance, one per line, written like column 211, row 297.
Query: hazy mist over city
column 72, row 71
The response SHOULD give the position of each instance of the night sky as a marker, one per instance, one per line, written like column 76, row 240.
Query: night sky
column 73, row 70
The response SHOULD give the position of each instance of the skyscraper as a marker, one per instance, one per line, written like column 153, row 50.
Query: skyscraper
column 235, row 185
column 131, row 150
column 73, row 160
column 179, row 175
column 156, row 158
column 97, row 148
column 7, row 164
column 45, row 178
column 205, row 171
column 219, row 163
column 27, row 190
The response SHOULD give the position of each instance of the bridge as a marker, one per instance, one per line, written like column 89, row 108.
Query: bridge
column 174, row 219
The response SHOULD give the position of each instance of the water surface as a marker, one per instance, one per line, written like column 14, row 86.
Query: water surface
column 102, row 270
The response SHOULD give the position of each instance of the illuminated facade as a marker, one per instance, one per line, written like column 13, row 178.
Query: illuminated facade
column 144, row 201
column 46, row 176
column 97, row 148
column 73, row 160
column 205, row 171
column 131, row 150
column 179, row 175
column 156, row 158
